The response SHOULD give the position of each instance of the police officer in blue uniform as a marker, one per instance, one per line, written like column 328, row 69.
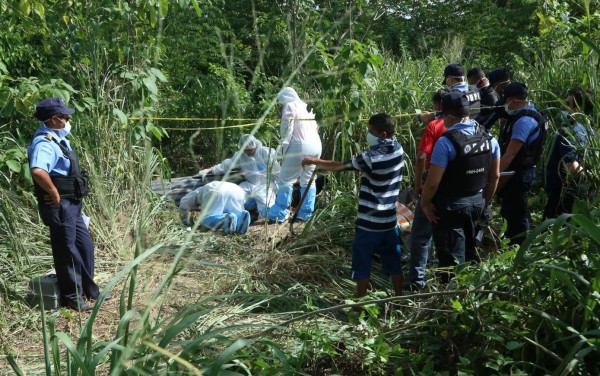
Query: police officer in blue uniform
column 521, row 142
column 60, row 185
column 462, row 179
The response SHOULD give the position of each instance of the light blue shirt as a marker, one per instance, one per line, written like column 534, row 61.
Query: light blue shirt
column 47, row 155
column 522, row 128
column 444, row 151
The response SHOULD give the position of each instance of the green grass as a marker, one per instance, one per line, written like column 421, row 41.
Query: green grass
column 205, row 303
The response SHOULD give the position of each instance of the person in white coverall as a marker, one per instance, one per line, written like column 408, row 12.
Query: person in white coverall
column 260, row 167
column 299, row 139
column 221, row 206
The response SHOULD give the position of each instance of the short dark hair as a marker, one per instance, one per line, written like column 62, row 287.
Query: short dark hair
column 383, row 123
column 476, row 72
column 584, row 99
column 437, row 96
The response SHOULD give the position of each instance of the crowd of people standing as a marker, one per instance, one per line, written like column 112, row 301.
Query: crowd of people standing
column 460, row 167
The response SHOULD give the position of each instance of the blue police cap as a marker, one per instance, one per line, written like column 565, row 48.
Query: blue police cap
column 454, row 70
column 50, row 107
column 456, row 104
column 515, row 89
column 498, row 75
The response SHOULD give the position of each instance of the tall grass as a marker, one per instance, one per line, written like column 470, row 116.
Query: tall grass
column 531, row 310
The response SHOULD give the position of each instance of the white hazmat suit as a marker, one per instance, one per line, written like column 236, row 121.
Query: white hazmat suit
column 222, row 207
column 299, row 139
column 261, row 170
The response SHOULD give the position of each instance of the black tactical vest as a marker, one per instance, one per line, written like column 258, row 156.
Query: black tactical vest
column 468, row 172
column 474, row 99
column 529, row 155
column 74, row 186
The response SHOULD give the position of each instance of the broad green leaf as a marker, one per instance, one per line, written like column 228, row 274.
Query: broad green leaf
column 120, row 115
column 163, row 8
column 39, row 9
column 158, row 74
column 150, row 83
column 156, row 132
column 456, row 305
column 152, row 15
column 14, row 165
column 24, row 7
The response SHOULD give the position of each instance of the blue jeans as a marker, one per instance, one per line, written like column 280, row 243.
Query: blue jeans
column 514, row 207
column 420, row 243
column 454, row 234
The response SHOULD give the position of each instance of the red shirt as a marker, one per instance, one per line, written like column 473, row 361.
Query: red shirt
column 432, row 132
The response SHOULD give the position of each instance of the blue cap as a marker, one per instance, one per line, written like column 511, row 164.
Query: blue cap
column 454, row 70
column 498, row 75
column 515, row 89
column 456, row 104
column 50, row 107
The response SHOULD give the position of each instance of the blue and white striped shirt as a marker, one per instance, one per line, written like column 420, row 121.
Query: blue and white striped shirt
column 382, row 167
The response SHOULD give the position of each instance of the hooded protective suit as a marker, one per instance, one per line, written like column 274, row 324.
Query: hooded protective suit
column 299, row 139
column 222, row 207
column 260, row 171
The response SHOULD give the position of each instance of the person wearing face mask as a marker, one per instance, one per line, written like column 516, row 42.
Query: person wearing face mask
column 462, row 179
column 421, row 233
column 299, row 139
column 454, row 79
column 566, row 156
column 260, row 168
column 60, row 185
column 479, row 82
column 521, row 142
column 498, row 79
column 376, row 225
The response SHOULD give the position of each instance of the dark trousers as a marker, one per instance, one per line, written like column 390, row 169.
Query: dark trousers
column 514, row 207
column 559, row 201
column 72, row 250
column 454, row 234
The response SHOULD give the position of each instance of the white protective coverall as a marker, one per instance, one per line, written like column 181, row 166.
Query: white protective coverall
column 222, row 207
column 261, row 171
column 299, row 139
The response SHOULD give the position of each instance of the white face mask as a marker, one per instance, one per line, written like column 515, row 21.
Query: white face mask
column 508, row 110
column 372, row 140
column 565, row 116
column 64, row 132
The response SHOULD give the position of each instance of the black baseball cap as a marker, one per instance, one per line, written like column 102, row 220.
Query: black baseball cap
column 50, row 107
column 453, row 70
column 456, row 104
column 498, row 75
column 515, row 89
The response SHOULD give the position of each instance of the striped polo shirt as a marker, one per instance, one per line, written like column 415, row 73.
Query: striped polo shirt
column 382, row 167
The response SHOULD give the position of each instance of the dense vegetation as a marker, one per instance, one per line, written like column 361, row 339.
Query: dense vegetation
column 201, row 302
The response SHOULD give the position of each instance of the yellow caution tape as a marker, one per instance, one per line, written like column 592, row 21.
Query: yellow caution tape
column 266, row 121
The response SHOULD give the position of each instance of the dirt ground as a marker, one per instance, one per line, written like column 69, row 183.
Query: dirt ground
column 195, row 280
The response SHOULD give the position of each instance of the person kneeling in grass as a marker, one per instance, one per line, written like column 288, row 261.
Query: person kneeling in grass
column 221, row 206
column 376, row 225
